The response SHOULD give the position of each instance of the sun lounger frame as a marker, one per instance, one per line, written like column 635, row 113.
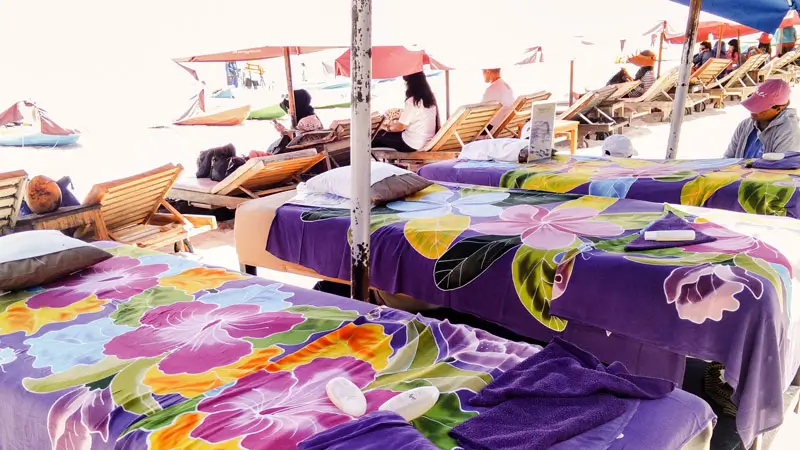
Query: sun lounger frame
column 256, row 178
column 12, row 190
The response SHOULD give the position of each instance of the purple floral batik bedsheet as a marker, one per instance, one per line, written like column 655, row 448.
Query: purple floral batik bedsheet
column 151, row 351
column 534, row 261
column 714, row 183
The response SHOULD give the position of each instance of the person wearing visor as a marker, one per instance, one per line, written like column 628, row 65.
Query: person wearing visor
column 772, row 126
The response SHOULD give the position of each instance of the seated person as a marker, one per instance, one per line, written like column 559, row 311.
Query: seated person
column 307, row 120
column 498, row 91
column 771, row 128
column 765, row 43
column 702, row 56
column 645, row 60
column 418, row 122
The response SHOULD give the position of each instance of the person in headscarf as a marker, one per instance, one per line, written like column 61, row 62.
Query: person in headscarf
column 307, row 119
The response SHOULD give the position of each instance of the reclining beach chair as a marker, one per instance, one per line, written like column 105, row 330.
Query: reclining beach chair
column 518, row 115
column 463, row 127
column 591, row 119
column 256, row 178
column 334, row 142
column 738, row 83
column 782, row 68
column 12, row 190
column 658, row 97
column 614, row 101
column 706, row 76
column 129, row 209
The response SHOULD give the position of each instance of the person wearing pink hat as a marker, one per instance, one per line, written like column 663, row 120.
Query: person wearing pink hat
column 772, row 126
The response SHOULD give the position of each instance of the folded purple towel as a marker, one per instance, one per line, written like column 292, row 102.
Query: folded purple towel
column 380, row 430
column 791, row 160
column 668, row 222
column 554, row 395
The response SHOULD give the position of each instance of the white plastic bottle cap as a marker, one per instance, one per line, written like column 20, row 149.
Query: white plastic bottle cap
column 412, row 404
column 346, row 396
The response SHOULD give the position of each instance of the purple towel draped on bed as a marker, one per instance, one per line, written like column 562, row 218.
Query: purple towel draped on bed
column 380, row 430
column 670, row 222
column 553, row 396
column 790, row 161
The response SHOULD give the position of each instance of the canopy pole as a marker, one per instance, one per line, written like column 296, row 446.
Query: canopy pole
column 661, row 48
column 447, row 93
column 360, row 146
column 719, row 41
column 682, row 90
column 779, row 43
column 287, row 62
column 571, row 81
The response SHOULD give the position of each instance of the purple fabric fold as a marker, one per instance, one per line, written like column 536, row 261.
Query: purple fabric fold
column 791, row 160
column 380, row 430
column 551, row 397
column 669, row 222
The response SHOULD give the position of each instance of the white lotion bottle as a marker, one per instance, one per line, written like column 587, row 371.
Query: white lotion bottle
column 412, row 404
column 346, row 396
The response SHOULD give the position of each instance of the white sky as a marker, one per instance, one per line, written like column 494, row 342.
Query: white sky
column 93, row 49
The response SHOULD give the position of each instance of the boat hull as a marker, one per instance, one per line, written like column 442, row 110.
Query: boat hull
column 227, row 117
column 37, row 139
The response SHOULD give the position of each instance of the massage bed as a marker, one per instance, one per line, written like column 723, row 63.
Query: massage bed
column 713, row 183
column 148, row 350
column 645, row 317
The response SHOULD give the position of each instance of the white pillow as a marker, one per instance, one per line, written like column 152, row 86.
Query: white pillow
column 503, row 149
column 337, row 181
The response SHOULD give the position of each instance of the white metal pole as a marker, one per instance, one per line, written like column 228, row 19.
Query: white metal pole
column 360, row 146
column 682, row 90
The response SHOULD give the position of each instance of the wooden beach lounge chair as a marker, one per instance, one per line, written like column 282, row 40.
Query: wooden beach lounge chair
column 614, row 101
column 129, row 208
column 518, row 115
column 12, row 189
column 256, row 178
column 463, row 127
column 658, row 97
column 781, row 68
column 591, row 119
column 738, row 83
column 706, row 76
column 334, row 142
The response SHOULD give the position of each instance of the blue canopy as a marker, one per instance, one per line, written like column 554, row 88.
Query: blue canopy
column 764, row 15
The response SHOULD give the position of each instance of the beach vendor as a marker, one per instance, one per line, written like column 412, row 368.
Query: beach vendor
column 772, row 126
column 498, row 91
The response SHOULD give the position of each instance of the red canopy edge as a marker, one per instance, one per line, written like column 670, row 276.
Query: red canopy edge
column 391, row 61
column 254, row 54
column 729, row 30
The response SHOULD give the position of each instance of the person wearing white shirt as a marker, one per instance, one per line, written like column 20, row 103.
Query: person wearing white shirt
column 498, row 91
column 419, row 121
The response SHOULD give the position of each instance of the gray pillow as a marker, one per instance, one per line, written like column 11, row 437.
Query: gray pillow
column 397, row 187
column 33, row 258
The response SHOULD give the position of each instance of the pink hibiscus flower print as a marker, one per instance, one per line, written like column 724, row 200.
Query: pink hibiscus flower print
column 278, row 410
column 548, row 230
column 117, row 278
column 705, row 291
column 731, row 242
column 197, row 337
column 78, row 415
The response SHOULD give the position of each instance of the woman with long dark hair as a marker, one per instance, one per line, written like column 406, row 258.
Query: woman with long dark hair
column 419, row 121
